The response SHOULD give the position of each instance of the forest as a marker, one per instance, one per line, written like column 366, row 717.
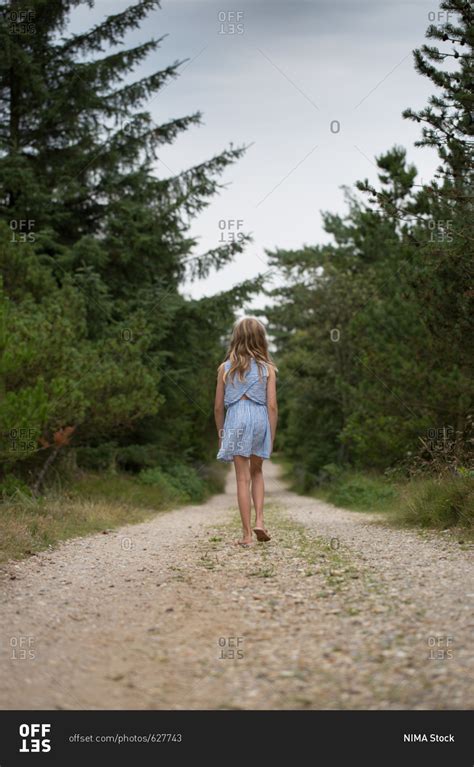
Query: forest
column 107, row 370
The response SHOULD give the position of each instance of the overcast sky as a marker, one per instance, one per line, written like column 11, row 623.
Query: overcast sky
column 315, row 87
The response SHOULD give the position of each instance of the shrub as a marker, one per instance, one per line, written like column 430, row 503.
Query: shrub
column 187, row 480
column 101, row 458
column 134, row 458
column 361, row 492
column 438, row 503
column 11, row 486
column 183, row 480
column 162, row 482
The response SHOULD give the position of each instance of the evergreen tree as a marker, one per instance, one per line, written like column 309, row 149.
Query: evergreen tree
column 101, row 235
column 372, row 330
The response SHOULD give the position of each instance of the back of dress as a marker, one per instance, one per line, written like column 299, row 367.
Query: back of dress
column 254, row 385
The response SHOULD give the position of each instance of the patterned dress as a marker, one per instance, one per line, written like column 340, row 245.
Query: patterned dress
column 246, row 428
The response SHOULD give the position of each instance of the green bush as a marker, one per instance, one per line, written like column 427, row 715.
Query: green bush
column 11, row 485
column 159, row 480
column 101, row 458
column 183, row 480
column 438, row 503
column 187, row 479
column 214, row 476
column 342, row 487
column 361, row 492
column 134, row 458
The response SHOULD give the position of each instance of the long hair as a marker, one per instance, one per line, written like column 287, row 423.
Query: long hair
column 248, row 341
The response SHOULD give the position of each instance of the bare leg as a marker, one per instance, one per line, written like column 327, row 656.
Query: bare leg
column 258, row 488
column 242, row 475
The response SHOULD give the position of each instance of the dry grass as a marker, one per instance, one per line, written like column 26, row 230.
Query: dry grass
column 92, row 503
column 28, row 526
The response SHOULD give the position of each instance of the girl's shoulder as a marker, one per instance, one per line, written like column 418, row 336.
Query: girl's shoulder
column 223, row 368
column 264, row 367
column 221, row 371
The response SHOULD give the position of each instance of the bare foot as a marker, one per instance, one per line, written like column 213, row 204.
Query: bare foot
column 247, row 541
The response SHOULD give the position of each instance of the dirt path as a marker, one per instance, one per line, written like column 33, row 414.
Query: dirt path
column 337, row 611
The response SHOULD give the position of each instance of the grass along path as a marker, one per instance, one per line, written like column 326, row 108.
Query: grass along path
column 91, row 503
column 337, row 611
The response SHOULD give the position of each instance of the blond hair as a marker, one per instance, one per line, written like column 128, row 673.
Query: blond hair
column 248, row 341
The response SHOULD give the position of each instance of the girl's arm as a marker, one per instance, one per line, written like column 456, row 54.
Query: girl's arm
column 219, row 403
column 272, row 405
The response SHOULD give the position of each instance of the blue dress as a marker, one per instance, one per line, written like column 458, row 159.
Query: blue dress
column 246, row 428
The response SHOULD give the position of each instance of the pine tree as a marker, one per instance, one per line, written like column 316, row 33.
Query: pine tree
column 111, row 238
column 448, row 120
column 77, row 144
column 445, row 288
column 439, row 222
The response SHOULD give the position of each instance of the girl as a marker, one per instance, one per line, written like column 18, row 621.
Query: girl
column 246, row 390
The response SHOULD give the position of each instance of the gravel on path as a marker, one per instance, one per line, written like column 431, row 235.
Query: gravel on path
column 336, row 611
